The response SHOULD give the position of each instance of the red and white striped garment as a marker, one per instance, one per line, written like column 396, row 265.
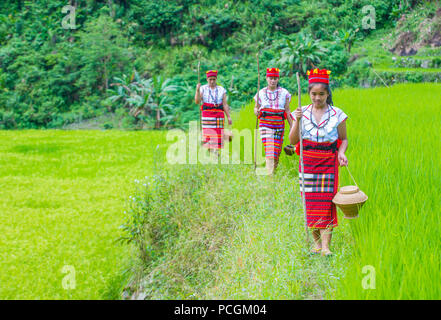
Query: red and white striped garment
column 321, row 183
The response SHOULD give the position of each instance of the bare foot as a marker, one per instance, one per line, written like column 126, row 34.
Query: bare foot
column 326, row 252
column 316, row 250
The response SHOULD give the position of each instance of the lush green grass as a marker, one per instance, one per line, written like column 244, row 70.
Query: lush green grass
column 423, row 70
column 63, row 196
column 221, row 231
column 268, row 256
column 392, row 155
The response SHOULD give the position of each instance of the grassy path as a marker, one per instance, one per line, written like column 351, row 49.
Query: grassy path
column 268, row 256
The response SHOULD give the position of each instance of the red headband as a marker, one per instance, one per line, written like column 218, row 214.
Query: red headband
column 211, row 73
column 272, row 72
column 317, row 75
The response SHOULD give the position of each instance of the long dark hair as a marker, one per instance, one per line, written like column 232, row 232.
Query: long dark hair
column 327, row 88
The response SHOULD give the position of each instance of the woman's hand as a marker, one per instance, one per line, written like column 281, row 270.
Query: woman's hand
column 230, row 122
column 343, row 161
column 298, row 113
column 256, row 111
column 198, row 86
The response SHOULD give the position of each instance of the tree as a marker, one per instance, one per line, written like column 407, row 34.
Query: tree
column 160, row 90
column 301, row 54
column 103, row 52
column 346, row 38
column 147, row 96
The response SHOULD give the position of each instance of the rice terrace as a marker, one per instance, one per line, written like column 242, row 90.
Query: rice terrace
column 144, row 152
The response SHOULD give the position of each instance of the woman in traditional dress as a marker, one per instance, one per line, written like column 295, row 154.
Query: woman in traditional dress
column 324, row 146
column 214, row 104
column 272, row 108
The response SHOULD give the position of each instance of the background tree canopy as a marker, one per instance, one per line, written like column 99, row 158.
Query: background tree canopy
column 50, row 76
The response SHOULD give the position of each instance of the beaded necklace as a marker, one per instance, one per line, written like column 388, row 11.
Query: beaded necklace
column 213, row 99
column 268, row 98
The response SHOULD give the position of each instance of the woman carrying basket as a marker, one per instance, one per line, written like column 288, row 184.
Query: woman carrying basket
column 272, row 108
column 324, row 146
column 214, row 104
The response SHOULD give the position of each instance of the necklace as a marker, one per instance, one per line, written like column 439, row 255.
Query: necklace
column 276, row 96
column 213, row 99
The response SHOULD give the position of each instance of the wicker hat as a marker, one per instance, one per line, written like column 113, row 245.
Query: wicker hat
column 350, row 199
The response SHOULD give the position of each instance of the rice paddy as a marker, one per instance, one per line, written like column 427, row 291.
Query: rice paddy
column 63, row 196
column 62, row 200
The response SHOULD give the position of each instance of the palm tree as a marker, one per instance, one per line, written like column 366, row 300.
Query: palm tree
column 149, row 96
column 301, row 54
column 159, row 98
column 346, row 38
column 133, row 91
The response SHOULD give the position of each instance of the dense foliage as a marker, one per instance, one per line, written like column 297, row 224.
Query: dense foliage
column 51, row 76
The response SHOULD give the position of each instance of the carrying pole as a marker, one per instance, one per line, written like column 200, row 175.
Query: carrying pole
column 257, row 117
column 301, row 160
column 199, row 81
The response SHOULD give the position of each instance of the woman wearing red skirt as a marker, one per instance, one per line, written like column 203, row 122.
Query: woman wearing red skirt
column 272, row 108
column 324, row 146
column 214, row 104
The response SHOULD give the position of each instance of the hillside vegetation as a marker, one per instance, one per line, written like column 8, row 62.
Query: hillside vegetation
column 130, row 63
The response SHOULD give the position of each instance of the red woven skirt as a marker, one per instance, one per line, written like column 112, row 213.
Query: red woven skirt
column 212, row 126
column 321, row 183
column 272, row 128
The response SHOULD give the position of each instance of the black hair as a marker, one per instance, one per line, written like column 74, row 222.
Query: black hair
column 327, row 88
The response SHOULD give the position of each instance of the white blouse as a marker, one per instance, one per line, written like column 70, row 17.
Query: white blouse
column 213, row 96
column 273, row 99
column 326, row 130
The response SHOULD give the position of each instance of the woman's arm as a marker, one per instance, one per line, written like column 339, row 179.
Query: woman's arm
column 288, row 112
column 294, row 132
column 256, row 105
column 226, row 108
column 344, row 144
column 197, row 96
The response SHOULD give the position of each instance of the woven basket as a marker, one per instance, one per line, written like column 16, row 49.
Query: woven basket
column 350, row 199
column 289, row 149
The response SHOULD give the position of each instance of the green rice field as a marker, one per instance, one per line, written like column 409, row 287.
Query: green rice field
column 63, row 195
column 62, row 200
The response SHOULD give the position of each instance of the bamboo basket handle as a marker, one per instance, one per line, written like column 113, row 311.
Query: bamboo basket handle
column 347, row 167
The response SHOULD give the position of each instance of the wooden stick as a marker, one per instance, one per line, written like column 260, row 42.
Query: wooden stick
column 257, row 117
column 199, row 81
column 301, row 160
column 199, row 67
